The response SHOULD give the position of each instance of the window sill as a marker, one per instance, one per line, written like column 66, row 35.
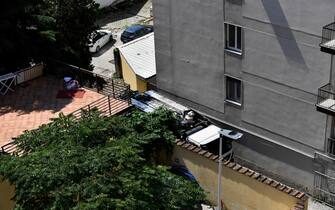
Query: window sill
column 233, row 103
column 239, row 53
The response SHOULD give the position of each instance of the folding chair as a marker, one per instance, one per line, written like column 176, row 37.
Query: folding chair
column 6, row 82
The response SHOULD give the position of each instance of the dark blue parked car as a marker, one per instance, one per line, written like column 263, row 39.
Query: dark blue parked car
column 181, row 170
column 135, row 31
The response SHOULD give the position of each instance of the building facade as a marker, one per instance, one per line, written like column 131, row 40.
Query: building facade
column 255, row 66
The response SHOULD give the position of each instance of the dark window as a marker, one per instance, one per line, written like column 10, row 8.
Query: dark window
column 233, row 90
column 127, row 34
column 233, row 37
column 331, row 146
column 96, row 37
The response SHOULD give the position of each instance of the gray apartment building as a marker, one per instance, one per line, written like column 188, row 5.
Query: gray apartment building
column 256, row 66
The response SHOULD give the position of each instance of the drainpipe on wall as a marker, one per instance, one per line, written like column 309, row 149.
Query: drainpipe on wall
column 117, row 63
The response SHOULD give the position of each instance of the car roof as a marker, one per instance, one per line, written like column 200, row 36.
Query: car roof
column 134, row 28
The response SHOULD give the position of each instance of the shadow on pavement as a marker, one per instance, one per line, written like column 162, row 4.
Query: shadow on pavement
column 123, row 11
column 105, row 48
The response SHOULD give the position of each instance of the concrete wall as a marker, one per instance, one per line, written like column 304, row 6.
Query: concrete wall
column 238, row 191
column 6, row 194
column 189, row 49
column 281, row 68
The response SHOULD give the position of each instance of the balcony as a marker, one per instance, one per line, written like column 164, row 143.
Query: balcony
column 326, row 100
column 327, row 44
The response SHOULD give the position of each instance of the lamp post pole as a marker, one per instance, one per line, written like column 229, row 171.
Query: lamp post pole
column 232, row 135
column 219, row 174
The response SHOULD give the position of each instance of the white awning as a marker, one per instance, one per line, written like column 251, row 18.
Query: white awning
column 168, row 102
column 205, row 135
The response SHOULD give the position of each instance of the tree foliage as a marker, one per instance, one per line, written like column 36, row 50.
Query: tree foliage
column 98, row 163
column 46, row 28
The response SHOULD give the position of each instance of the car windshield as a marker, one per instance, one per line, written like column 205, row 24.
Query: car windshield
column 92, row 37
column 126, row 33
column 95, row 36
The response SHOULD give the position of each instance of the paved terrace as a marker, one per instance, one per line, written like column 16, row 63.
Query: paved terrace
column 34, row 103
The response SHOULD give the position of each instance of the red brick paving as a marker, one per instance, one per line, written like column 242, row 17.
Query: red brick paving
column 31, row 106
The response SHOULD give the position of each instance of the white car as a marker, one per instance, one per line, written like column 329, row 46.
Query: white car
column 98, row 39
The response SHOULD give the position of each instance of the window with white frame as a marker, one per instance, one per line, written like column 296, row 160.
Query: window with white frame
column 233, row 36
column 233, row 90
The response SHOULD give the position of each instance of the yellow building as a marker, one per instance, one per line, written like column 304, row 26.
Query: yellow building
column 138, row 63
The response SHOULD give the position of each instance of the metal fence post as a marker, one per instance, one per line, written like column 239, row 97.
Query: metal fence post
column 129, row 95
column 97, row 82
column 109, row 105
column 113, row 88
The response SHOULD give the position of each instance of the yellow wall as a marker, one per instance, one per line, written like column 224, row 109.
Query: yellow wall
column 130, row 77
column 141, row 85
column 6, row 193
column 239, row 192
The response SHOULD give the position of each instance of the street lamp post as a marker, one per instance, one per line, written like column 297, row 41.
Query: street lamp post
column 219, row 172
column 233, row 136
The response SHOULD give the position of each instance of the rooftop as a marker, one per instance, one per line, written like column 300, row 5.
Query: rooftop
column 36, row 101
column 140, row 55
column 34, row 104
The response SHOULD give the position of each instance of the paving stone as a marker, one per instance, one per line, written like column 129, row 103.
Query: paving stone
column 28, row 108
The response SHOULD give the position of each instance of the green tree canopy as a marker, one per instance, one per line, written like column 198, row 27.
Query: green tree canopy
column 46, row 28
column 99, row 163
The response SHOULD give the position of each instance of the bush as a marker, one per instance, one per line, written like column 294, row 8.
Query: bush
column 98, row 163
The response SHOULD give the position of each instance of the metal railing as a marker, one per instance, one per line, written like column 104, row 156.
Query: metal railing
column 324, row 188
column 107, row 106
column 90, row 80
column 324, row 178
column 326, row 99
column 328, row 37
column 10, row 148
column 29, row 73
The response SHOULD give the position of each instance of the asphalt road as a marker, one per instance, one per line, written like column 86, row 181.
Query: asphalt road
column 103, row 61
